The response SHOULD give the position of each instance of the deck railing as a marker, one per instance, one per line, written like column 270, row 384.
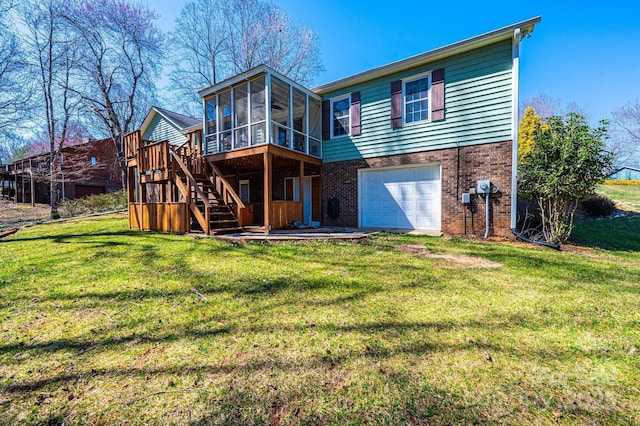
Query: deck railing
column 191, row 197
column 132, row 142
column 224, row 188
column 154, row 158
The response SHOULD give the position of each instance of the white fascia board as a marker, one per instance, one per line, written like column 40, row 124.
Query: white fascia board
column 249, row 75
column 191, row 129
column 148, row 119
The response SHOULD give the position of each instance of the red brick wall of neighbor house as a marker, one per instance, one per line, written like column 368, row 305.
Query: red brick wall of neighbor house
column 79, row 171
column 488, row 161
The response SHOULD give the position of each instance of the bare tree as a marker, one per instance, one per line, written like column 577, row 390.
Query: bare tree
column 14, row 89
column 547, row 106
column 197, row 43
column 216, row 40
column 119, row 58
column 624, row 139
column 51, row 57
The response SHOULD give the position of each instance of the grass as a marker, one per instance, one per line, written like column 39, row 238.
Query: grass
column 627, row 197
column 102, row 325
column 17, row 214
column 618, row 234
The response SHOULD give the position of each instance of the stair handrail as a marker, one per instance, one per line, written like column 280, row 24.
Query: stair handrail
column 226, row 187
column 192, row 181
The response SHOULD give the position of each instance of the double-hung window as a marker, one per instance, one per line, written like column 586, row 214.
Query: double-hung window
column 340, row 120
column 416, row 99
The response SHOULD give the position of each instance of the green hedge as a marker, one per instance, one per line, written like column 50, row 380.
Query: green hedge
column 93, row 204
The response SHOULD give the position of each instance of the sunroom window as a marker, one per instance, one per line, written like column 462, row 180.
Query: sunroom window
column 263, row 109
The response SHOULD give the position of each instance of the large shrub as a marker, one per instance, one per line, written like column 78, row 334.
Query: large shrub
column 565, row 164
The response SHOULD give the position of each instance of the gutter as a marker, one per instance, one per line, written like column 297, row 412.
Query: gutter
column 504, row 33
column 519, row 34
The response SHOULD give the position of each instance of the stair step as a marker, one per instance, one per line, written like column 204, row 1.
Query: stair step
column 226, row 230
column 222, row 221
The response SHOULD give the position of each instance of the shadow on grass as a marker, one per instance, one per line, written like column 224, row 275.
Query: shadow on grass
column 260, row 389
column 618, row 234
column 399, row 329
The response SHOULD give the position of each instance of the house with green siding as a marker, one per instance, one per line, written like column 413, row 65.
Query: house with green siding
column 161, row 124
column 427, row 143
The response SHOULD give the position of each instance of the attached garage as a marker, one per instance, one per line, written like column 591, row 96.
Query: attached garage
column 407, row 197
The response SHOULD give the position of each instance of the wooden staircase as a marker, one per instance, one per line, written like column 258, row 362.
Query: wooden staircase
column 222, row 219
column 212, row 201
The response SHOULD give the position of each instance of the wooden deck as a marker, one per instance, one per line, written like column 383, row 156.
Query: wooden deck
column 179, row 189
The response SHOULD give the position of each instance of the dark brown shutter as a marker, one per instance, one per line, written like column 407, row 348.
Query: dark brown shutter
column 326, row 120
column 437, row 95
column 355, row 113
column 396, row 104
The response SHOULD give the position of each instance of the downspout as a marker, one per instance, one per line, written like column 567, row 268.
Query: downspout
column 515, row 54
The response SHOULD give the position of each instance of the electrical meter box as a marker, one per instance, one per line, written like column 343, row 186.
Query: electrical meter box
column 484, row 186
column 466, row 198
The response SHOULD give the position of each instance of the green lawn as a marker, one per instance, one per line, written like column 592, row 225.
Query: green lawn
column 621, row 233
column 101, row 324
column 627, row 197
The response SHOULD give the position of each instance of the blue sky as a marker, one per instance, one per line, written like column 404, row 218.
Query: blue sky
column 587, row 54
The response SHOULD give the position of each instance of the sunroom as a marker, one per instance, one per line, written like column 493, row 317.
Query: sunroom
column 263, row 131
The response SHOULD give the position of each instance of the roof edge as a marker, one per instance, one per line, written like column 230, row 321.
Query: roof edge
column 526, row 27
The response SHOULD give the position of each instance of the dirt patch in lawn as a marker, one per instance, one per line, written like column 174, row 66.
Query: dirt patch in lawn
column 449, row 260
column 17, row 214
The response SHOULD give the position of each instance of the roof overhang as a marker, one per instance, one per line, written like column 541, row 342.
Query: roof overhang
column 191, row 129
column 526, row 27
column 148, row 119
column 248, row 75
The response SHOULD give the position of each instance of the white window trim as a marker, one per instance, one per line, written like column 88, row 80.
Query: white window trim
column 331, row 102
column 404, row 98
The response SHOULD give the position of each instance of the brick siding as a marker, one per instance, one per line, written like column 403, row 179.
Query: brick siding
column 488, row 161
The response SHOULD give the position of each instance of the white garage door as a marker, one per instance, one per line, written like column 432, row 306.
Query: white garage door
column 404, row 198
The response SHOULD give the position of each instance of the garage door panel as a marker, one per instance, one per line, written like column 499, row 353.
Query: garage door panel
column 406, row 198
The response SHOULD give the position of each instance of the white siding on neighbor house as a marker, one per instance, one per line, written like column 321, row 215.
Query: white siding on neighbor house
column 477, row 108
column 162, row 129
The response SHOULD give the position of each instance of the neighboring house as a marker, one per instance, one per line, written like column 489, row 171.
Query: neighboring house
column 161, row 124
column 85, row 169
column 393, row 147
column 625, row 173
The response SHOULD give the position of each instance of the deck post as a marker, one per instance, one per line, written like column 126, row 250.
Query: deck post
column 301, row 190
column 15, row 185
column 22, row 180
column 33, row 185
column 267, row 191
